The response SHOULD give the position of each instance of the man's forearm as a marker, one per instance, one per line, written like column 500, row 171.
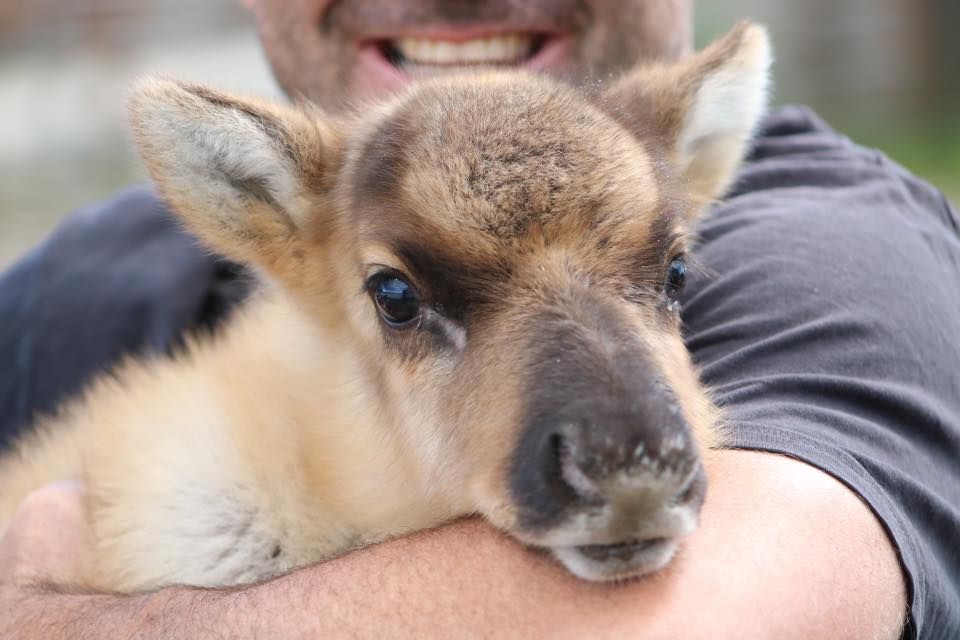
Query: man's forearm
column 49, row 614
column 783, row 551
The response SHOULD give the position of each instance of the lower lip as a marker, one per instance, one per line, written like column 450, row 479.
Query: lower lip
column 645, row 561
column 624, row 551
column 376, row 76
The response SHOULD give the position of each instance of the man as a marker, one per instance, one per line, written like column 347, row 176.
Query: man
column 825, row 319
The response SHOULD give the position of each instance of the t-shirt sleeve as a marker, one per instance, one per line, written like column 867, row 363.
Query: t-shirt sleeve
column 825, row 316
column 115, row 278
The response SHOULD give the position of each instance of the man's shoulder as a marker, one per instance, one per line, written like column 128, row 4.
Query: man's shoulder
column 135, row 213
column 116, row 277
column 797, row 157
column 129, row 243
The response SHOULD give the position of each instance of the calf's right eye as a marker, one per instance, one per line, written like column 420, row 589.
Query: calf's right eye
column 396, row 300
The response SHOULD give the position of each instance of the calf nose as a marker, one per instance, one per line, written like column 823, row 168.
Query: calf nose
column 641, row 455
column 597, row 410
column 594, row 464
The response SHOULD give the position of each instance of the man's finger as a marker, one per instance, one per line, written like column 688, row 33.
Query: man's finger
column 48, row 538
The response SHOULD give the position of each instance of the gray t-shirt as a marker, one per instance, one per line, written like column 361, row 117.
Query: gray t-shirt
column 826, row 318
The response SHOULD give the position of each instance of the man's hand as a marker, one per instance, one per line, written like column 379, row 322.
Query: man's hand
column 784, row 551
column 41, row 556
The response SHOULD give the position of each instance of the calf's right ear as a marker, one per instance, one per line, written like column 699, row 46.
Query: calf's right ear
column 251, row 179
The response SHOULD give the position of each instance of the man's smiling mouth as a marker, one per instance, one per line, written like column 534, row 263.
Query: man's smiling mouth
column 397, row 42
column 388, row 61
column 502, row 49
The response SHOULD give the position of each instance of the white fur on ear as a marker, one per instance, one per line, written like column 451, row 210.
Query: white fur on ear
column 724, row 112
column 700, row 111
column 231, row 168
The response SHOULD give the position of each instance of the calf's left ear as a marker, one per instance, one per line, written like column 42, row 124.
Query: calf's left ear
column 700, row 111
column 250, row 178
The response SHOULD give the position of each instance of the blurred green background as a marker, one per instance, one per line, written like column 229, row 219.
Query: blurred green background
column 885, row 72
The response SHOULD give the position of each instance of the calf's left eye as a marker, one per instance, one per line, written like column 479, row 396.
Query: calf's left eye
column 676, row 278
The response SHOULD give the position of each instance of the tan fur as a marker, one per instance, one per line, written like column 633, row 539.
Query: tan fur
column 307, row 428
column 317, row 491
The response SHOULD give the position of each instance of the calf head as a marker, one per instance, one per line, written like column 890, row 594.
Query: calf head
column 503, row 256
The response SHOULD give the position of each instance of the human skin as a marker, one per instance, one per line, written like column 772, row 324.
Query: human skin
column 325, row 50
column 783, row 551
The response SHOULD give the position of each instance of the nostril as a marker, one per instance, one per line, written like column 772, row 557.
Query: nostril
column 571, row 472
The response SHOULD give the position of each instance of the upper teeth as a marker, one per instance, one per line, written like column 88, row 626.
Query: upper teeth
column 501, row 49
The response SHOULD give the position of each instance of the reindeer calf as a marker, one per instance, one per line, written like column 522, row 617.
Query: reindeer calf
column 469, row 307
